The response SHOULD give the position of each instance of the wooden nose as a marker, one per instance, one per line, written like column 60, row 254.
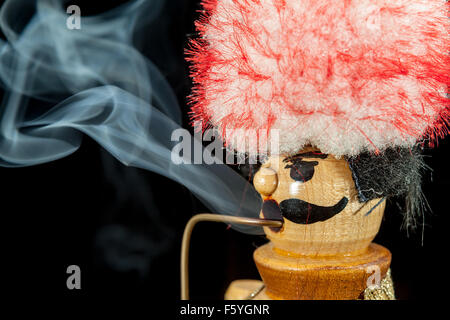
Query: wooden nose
column 266, row 181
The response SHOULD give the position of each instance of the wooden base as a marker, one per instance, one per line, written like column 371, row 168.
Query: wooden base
column 246, row 289
column 343, row 277
column 255, row 290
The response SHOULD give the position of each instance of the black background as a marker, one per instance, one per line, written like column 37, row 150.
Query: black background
column 123, row 226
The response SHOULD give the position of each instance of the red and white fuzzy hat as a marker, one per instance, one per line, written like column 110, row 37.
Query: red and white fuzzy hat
column 345, row 76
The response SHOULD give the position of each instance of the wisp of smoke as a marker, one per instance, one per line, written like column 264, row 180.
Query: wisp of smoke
column 93, row 81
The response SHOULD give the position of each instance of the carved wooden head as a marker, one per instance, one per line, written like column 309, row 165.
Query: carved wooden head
column 316, row 196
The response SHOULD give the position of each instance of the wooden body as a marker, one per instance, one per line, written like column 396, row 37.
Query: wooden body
column 340, row 277
column 332, row 258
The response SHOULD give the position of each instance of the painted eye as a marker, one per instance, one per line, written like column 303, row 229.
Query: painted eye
column 302, row 171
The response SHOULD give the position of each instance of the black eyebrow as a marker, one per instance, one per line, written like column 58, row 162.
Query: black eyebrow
column 310, row 155
column 303, row 163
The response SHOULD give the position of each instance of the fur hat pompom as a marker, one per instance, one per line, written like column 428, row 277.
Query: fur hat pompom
column 344, row 76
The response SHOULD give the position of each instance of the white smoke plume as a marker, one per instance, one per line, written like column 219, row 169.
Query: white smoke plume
column 94, row 82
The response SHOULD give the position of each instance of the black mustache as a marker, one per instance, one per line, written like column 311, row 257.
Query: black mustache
column 303, row 212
